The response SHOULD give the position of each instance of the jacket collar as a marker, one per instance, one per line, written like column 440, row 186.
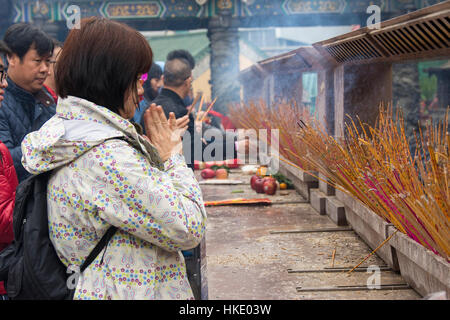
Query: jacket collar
column 28, row 97
column 172, row 94
column 20, row 93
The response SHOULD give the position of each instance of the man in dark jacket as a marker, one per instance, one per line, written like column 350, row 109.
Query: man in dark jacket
column 26, row 106
column 177, row 78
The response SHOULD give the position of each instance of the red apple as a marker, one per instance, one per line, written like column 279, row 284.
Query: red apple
column 270, row 187
column 252, row 181
column 208, row 173
column 270, row 179
column 259, row 185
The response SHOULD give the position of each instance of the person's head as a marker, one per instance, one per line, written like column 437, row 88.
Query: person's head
column 29, row 60
column 50, row 81
column 178, row 76
column 153, row 83
column 181, row 54
column 102, row 62
column 4, row 51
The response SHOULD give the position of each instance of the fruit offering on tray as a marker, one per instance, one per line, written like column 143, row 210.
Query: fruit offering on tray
column 284, row 182
column 215, row 171
column 230, row 163
column 221, row 173
column 208, row 173
column 263, row 183
column 270, row 185
column 267, row 185
column 261, row 171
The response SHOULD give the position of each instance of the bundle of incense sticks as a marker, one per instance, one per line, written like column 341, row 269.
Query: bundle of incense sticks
column 375, row 166
column 278, row 116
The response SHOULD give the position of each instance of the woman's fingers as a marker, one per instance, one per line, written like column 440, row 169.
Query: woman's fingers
column 172, row 121
column 162, row 132
column 162, row 117
column 183, row 121
column 152, row 123
column 155, row 114
column 147, row 121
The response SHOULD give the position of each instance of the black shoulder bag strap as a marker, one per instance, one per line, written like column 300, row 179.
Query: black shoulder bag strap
column 98, row 248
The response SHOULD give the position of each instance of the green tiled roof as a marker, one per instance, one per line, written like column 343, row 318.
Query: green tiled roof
column 197, row 43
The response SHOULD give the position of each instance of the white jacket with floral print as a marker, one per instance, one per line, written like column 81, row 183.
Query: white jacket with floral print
column 99, row 181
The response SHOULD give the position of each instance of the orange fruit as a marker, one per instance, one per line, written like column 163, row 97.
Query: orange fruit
column 261, row 171
column 283, row 186
column 221, row 174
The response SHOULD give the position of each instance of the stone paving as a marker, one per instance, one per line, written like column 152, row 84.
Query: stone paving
column 246, row 260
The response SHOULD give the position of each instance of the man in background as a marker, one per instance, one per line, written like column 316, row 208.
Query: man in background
column 177, row 78
column 26, row 105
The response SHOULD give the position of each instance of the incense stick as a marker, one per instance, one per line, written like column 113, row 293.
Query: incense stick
column 209, row 108
column 382, row 244
column 200, row 108
column 194, row 103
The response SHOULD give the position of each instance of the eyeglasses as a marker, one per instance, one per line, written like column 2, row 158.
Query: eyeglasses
column 3, row 75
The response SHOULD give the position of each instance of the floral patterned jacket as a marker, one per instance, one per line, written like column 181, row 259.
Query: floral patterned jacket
column 99, row 181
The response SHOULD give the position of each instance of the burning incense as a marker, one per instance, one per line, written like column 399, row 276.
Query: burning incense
column 200, row 108
column 372, row 164
column 209, row 109
column 194, row 103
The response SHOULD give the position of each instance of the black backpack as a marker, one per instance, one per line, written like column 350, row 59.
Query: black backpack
column 30, row 266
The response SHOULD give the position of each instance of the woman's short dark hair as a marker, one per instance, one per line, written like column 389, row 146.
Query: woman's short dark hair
column 21, row 37
column 101, row 62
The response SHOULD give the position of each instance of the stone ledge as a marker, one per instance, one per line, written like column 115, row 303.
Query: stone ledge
column 318, row 201
column 336, row 211
column 369, row 226
column 325, row 187
column 425, row 271
column 301, row 180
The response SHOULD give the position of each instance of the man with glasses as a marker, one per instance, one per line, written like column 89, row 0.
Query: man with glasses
column 26, row 106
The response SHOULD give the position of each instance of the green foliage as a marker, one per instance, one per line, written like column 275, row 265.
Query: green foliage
column 428, row 86
column 283, row 179
column 215, row 167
